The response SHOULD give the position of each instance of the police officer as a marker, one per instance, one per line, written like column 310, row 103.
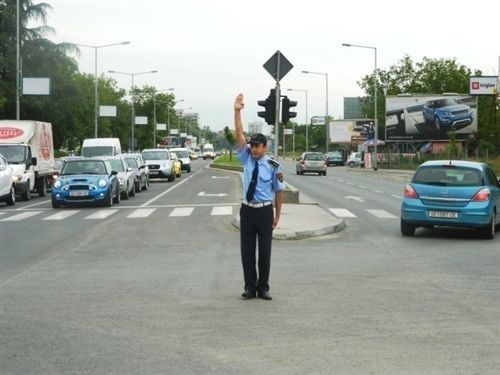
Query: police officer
column 262, row 184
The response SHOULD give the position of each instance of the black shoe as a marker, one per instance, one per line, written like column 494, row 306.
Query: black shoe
column 248, row 294
column 265, row 295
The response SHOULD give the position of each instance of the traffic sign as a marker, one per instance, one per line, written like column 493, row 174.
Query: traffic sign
column 278, row 66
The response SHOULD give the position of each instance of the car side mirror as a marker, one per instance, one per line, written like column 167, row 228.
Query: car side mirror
column 33, row 161
column 114, row 173
column 129, row 169
column 142, row 167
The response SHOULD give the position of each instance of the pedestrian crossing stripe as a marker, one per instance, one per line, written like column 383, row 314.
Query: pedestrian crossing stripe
column 341, row 212
column 22, row 216
column 222, row 210
column 101, row 214
column 61, row 215
column 181, row 211
column 382, row 214
column 141, row 212
column 345, row 213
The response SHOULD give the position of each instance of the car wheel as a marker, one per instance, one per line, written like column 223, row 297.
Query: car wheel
column 171, row 178
column 117, row 197
column 488, row 231
column 189, row 169
column 146, row 185
column 132, row 191
column 26, row 194
column 137, row 186
column 437, row 124
column 55, row 204
column 352, row 164
column 301, row 173
column 407, row 229
column 11, row 199
column 125, row 193
column 42, row 187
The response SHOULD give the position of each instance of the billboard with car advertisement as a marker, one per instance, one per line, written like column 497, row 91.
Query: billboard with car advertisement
column 410, row 118
column 351, row 131
column 484, row 85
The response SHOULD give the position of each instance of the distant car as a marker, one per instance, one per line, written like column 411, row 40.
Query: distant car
column 159, row 162
column 447, row 113
column 86, row 181
column 452, row 193
column 311, row 162
column 184, row 158
column 126, row 175
column 334, row 158
column 355, row 159
column 141, row 171
column 193, row 155
column 7, row 187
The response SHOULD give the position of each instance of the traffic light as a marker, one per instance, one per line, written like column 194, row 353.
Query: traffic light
column 286, row 115
column 270, row 105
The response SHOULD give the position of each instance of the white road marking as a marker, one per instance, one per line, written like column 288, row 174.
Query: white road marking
column 382, row 214
column 378, row 191
column 3, row 213
column 203, row 194
column 221, row 177
column 359, row 199
column 102, row 214
column 22, row 216
column 341, row 212
column 349, row 183
column 61, row 215
column 397, row 196
column 141, row 212
column 182, row 211
column 362, row 187
column 223, row 210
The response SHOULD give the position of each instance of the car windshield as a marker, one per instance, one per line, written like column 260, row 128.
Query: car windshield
column 181, row 154
column 132, row 162
column 14, row 154
column 117, row 165
column 89, row 152
column 448, row 176
column 155, row 155
column 83, row 167
column 444, row 103
column 313, row 157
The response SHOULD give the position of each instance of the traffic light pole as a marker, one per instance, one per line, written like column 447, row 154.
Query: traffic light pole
column 277, row 120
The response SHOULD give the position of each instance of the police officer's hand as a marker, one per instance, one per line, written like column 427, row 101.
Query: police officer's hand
column 275, row 221
column 279, row 176
column 239, row 104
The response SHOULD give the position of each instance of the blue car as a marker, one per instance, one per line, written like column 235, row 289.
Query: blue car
column 84, row 182
column 452, row 193
column 447, row 114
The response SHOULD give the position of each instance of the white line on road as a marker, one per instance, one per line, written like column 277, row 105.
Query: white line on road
column 378, row 191
column 341, row 212
column 397, row 196
column 61, row 215
column 224, row 210
column 359, row 199
column 22, row 216
column 102, row 214
column 141, row 212
column 172, row 188
column 362, row 187
column 182, row 211
column 382, row 214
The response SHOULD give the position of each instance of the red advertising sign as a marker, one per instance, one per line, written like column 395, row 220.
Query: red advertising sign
column 6, row 132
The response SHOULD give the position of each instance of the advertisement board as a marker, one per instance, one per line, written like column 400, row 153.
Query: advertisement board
column 318, row 120
column 484, row 85
column 412, row 118
column 351, row 131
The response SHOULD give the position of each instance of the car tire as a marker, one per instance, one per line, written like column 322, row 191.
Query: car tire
column 407, row 229
column 132, row 191
column 42, row 187
column 189, row 169
column 137, row 186
column 117, row 197
column 11, row 199
column 26, row 194
column 55, row 204
column 146, row 185
column 125, row 193
column 352, row 164
column 171, row 178
column 488, row 232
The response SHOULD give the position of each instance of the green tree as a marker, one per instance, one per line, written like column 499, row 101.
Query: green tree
column 230, row 139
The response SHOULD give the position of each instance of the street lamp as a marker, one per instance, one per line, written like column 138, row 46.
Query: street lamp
column 168, row 115
column 375, row 156
column 154, row 112
column 132, row 96
column 327, row 122
column 307, row 119
column 179, row 126
column 96, row 97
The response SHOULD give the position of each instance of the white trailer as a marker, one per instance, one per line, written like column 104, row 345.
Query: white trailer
column 29, row 149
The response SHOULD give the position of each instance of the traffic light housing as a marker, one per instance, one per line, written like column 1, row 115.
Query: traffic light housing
column 270, row 108
column 286, row 114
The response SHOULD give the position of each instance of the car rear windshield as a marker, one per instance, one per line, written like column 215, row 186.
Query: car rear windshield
column 156, row 155
column 448, row 176
column 313, row 157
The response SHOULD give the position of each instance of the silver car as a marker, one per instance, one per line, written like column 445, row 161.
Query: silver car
column 126, row 176
column 183, row 155
column 311, row 162
column 141, row 171
column 159, row 162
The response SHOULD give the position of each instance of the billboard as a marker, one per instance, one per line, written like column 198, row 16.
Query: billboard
column 485, row 85
column 351, row 131
column 412, row 118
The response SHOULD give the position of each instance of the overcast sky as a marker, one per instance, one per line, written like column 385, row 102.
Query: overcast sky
column 209, row 51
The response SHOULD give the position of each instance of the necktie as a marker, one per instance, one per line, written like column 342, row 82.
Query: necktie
column 253, row 182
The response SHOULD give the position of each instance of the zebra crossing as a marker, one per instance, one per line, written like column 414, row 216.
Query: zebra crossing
column 345, row 213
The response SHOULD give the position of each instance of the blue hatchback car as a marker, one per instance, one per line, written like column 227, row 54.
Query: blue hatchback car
column 86, row 181
column 452, row 193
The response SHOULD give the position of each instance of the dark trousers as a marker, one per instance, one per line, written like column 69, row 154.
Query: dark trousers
column 256, row 224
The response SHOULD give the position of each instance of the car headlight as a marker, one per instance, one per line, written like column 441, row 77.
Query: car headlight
column 57, row 184
column 168, row 164
column 102, row 183
column 16, row 178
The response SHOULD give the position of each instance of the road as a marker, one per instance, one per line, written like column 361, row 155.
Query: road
column 154, row 287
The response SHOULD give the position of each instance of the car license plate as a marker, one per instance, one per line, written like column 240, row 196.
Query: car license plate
column 444, row 214
column 153, row 172
column 78, row 193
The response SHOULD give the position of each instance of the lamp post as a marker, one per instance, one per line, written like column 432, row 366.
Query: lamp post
column 132, row 96
column 327, row 122
column 375, row 156
column 307, row 119
column 179, row 126
column 154, row 113
column 96, row 97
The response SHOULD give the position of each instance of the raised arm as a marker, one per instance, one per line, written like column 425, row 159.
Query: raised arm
column 238, row 125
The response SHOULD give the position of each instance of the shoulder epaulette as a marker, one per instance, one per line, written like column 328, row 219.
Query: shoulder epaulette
column 274, row 163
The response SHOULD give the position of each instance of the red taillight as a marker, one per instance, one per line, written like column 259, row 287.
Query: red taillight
column 410, row 192
column 482, row 195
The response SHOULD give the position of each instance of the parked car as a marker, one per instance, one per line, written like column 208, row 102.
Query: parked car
column 311, row 162
column 159, row 162
column 141, row 171
column 184, row 158
column 86, row 181
column 334, row 158
column 126, row 176
column 452, row 193
column 447, row 113
column 355, row 159
column 7, row 186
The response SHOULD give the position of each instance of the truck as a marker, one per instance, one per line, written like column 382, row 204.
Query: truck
column 208, row 151
column 101, row 147
column 29, row 149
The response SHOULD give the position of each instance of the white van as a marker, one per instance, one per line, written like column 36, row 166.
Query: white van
column 208, row 151
column 101, row 147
